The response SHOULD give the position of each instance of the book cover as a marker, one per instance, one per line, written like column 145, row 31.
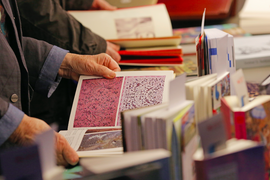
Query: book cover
column 242, row 159
column 187, row 133
column 251, row 55
column 151, row 61
column 218, row 90
column 188, row 66
column 251, row 121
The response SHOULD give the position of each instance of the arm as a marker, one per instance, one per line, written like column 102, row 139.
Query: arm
column 43, row 61
column 20, row 129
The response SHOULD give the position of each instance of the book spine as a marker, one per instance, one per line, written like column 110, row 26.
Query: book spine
column 240, row 125
column 252, row 63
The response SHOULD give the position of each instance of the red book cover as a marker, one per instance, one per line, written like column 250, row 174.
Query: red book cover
column 173, row 60
column 240, row 125
column 226, row 111
column 159, row 52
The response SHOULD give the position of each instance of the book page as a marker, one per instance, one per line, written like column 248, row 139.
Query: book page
column 137, row 22
column 98, row 102
column 97, row 142
column 74, row 137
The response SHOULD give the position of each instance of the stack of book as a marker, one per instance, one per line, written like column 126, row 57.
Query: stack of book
column 145, row 33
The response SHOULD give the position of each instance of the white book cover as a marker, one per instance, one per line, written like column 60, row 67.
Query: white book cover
column 252, row 51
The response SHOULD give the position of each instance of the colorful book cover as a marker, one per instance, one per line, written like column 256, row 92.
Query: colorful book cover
column 219, row 90
column 258, row 127
column 189, row 142
column 253, row 124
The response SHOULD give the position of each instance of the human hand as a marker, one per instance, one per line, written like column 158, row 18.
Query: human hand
column 102, row 5
column 112, row 50
column 75, row 65
column 30, row 127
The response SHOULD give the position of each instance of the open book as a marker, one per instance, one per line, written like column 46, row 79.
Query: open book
column 137, row 27
column 95, row 123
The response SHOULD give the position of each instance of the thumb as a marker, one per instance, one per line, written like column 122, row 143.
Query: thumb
column 68, row 153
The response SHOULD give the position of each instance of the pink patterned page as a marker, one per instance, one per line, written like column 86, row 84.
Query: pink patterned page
column 98, row 102
column 141, row 91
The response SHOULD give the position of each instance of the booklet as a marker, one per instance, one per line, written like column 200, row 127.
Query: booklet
column 95, row 120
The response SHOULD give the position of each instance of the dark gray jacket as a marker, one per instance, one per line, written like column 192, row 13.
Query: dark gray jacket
column 18, row 76
column 49, row 20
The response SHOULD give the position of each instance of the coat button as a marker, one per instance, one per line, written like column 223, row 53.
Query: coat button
column 14, row 98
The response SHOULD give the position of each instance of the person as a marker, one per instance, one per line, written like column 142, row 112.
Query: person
column 28, row 64
column 49, row 20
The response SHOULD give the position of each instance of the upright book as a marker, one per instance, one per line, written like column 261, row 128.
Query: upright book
column 94, row 124
column 206, row 91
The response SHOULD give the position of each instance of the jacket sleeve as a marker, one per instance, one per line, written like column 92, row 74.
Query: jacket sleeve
column 43, row 62
column 10, row 118
column 47, row 20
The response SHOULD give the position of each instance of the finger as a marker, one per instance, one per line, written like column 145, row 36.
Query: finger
column 104, row 5
column 65, row 153
column 105, row 72
column 115, row 47
column 110, row 63
column 114, row 54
